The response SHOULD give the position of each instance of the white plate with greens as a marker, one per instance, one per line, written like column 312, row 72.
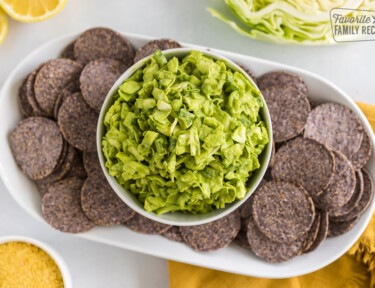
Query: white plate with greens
column 231, row 259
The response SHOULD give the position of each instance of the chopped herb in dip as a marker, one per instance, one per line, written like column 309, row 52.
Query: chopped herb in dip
column 185, row 134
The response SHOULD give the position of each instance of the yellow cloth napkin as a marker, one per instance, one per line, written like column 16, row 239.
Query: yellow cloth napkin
column 355, row 269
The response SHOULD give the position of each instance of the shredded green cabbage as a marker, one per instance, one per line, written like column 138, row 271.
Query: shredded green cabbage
column 185, row 135
column 287, row 21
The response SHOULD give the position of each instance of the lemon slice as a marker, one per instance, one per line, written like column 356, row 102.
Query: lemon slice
column 32, row 10
column 3, row 25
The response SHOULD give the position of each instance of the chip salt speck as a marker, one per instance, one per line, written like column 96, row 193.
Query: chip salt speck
column 289, row 109
column 214, row 235
column 281, row 78
column 36, row 144
column 246, row 208
column 283, row 211
column 152, row 46
column 63, row 154
column 241, row 238
column 322, row 233
column 61, row 207
column 339, row 228
column 313, row 103
column 306, row 162
column 364, row 201
column 141, row 224
column 101, row 204
column 30, row 92
column 97, row 79
column 272, row 160
column 360, row 158
column 23, row 103
column 68, row 51
column 77, row 170
column 269, row 250
column 349, row 206
column 341, row 187
column 68, row 90
column 77, row 122
column 173, row 234
column 312, row 234
column 51, row 79
column 43, row 186
column 336, row 126
column 91, row 162
column 103, row 42
column 65, row 166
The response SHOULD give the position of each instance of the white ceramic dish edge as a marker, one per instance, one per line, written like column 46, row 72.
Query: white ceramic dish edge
column 231, row 259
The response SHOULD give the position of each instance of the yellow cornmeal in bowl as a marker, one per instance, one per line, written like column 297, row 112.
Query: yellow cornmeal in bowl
column 25, row 265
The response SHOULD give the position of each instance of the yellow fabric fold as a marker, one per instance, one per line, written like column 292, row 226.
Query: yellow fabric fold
column 355, row 269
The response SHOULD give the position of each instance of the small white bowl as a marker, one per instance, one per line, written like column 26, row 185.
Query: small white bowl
column 179, row 218
column 50, row 251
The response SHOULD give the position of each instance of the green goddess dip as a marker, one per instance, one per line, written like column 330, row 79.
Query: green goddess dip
column 184, row 134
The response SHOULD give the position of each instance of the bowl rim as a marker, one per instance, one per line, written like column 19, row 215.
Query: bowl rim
column 201, row 218
column 60, row 262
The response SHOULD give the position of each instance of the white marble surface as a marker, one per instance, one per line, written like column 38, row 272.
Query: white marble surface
column 93, row 265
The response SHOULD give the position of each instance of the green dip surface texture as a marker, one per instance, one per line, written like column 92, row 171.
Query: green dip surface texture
column 184, row 134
